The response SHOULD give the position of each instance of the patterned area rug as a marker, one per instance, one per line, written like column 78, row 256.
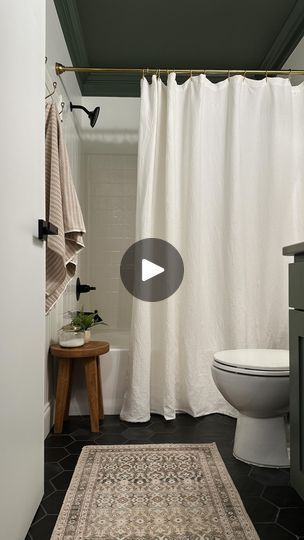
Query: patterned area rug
column 152, row 492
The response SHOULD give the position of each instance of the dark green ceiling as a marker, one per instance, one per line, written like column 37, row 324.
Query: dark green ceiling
column 202, row 34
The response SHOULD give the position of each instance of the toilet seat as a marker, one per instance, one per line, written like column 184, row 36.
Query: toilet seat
column 259, row 362
column 252, row 372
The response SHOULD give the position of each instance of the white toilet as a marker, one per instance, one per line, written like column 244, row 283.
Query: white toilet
column 256, row 383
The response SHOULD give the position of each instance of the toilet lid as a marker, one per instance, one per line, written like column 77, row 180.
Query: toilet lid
column 257, row 359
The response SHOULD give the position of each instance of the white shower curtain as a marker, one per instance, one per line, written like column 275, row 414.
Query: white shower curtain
column 221, row 177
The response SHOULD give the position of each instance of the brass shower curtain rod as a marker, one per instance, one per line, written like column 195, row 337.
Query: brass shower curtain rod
column 162, row 71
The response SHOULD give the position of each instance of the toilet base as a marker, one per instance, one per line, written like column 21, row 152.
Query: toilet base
column 261, row 441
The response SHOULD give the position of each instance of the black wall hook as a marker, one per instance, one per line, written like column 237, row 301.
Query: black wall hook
column 45, row 228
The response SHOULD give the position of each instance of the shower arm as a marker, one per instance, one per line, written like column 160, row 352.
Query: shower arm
column 79, row 107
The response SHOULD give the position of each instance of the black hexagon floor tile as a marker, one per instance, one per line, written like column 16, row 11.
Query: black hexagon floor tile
column 43, row 529
column 85, row 423
column 77, row 446
column 111, row 419
column 48, row 488
column 237, row 467
column 163, row 427
column 62, row 481
column 247, row 486
column 58, row 441
column 112, row 428
column 272, row 477
column 184, row 420
column 111, row 438
column 292, row 519
column 137, row 434
column 221, row 426
column 82, row 434
column 69, row 462
column 39, row 514
column 182, row 435
column 260, row 511
column 51, row 470
column 156, row 418
column 283, row 496
column 262, row 490
column 225, row 447
column 271, row 531
column 72, row 424
column 53, row 502
column 54, row 454
column 161, row 438
column 137, row 442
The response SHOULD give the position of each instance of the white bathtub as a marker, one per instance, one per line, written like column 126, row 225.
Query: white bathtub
column 114, row 369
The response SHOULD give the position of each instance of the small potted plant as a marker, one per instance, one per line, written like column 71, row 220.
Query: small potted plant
column 82, row 322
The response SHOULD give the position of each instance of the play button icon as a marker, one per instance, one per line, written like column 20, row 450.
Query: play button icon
column 152, row 269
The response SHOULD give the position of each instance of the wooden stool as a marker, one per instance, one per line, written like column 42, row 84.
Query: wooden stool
column 88, row 353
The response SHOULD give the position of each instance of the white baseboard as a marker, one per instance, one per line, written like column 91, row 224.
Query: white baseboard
column 48, row 417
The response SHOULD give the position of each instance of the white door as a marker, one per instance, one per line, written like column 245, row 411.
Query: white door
column 22, row 64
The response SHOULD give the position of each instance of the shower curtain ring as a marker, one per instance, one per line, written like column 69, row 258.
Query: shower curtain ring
column 191, row 74
column 266, row 75
column 289, row 74
column 229, row 75
column 244, row 75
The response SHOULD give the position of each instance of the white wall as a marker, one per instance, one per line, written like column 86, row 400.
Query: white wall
column 296, row 61
column 67, row 90
column 22, row 40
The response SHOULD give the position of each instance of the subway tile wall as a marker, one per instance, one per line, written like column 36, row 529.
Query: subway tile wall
column 111, row 206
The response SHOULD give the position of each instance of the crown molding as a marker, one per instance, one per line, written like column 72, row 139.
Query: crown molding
column 288, row 38
column 72, row 30
column 119, row 85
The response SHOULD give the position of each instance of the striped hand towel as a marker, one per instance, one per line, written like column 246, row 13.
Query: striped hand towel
column 62, row 210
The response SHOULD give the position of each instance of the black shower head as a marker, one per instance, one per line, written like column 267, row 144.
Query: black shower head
column 93, row 115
